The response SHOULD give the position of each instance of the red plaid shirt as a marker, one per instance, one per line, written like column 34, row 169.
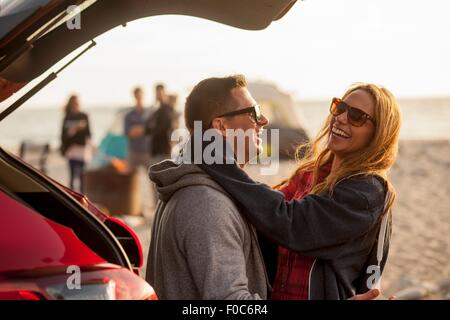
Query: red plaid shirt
column 293, row 270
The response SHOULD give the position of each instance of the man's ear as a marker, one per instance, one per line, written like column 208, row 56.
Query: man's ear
column 219, row 125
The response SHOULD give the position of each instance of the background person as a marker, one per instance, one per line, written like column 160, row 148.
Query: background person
column 159, row 128
column 161, row 125
column 134, row 124
column 75, row 138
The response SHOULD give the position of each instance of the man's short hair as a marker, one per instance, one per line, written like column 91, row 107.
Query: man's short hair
column 210, row 98
column 160, row 86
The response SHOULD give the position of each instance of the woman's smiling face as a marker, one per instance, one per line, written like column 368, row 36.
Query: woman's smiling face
column 352, row 138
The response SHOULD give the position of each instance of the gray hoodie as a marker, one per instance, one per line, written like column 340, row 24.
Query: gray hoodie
column 201, row 246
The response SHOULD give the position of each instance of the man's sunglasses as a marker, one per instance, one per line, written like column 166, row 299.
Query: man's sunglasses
column 356, row 117
column 255, row 111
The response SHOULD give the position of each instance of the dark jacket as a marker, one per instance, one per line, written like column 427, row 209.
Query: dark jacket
column 340, row 229
column 80, row 137
column 159, row 127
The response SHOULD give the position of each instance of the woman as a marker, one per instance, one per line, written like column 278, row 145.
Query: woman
column 330, row 219
column 75, row 135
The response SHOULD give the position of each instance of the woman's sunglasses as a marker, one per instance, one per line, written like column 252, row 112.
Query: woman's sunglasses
column 255, row 112
column 356, row 117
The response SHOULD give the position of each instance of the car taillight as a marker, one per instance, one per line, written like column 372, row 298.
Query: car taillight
column 90, row 291
column 111, row 284
column 19, row 295
column 105, row 284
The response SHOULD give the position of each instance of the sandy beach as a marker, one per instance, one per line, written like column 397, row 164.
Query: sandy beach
column 419, row 258
column 420, row 252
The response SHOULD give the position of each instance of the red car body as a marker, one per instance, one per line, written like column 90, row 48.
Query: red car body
column 38, row 255
column 54, row 243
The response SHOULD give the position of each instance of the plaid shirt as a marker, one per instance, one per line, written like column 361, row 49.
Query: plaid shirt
column 293, row 270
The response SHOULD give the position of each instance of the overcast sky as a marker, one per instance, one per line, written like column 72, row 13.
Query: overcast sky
column 317, row 50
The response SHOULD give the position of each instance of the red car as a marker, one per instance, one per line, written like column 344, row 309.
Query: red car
column 54, row 243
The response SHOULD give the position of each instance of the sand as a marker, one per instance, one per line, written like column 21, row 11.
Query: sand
column 419, row 259
column 420, row 253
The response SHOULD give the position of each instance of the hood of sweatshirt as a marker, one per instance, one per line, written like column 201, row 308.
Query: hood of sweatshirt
column 171, row 176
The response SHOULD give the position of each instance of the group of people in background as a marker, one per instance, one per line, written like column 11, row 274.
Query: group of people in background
column 148, row 130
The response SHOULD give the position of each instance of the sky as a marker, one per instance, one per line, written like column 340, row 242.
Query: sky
column 315, row 51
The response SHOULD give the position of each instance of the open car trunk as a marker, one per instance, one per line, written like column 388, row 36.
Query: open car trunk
column 43, row 38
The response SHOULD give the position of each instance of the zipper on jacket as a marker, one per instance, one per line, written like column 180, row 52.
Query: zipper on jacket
column 309, row 280
column 255, row 237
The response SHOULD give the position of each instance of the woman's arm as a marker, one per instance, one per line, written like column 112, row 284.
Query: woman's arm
column 319, row 225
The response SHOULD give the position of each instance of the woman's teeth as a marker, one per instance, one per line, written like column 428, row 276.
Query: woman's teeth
column 340, row 132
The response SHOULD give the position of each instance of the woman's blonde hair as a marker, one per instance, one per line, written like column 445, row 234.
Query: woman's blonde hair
column 375, row 159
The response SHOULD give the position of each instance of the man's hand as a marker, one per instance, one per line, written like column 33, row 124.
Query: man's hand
column 369, row 295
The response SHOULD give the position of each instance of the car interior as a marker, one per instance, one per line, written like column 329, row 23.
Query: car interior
column 35, row 195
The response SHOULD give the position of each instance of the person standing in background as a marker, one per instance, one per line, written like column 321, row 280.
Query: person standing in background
column 161, row 124
column 134, row 124
column 75, row 141
column 159, row 128
column 173, row 98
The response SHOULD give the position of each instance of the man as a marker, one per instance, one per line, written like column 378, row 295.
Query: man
column 160, row 126
column 134, row 124
column 201, row 246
